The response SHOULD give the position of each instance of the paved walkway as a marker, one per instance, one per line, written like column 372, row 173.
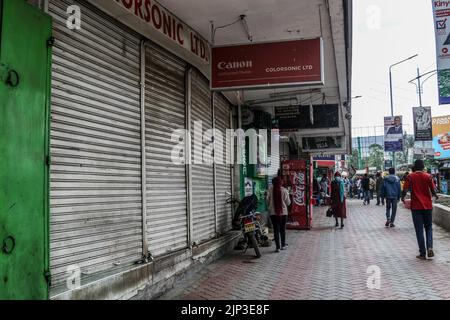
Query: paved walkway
column 328, row 263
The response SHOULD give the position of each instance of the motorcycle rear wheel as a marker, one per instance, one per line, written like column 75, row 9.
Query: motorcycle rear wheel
column 255, row 245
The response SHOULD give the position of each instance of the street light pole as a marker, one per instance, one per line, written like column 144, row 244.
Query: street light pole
column 390, row 84
column 420, row 84
column 420, row 87
column 392, row 98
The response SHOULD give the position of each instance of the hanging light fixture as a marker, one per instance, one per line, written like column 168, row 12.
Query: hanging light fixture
column 246, row 28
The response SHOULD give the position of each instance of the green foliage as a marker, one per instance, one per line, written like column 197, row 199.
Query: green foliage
column 353, row 159
column 408, row 147
column 376, row 156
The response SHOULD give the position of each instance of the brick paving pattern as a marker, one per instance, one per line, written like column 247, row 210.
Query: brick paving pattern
column 328, row 263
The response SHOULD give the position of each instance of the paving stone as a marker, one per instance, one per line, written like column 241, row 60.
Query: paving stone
column 328, row 264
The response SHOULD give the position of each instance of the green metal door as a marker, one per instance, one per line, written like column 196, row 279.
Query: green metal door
column 25, row 56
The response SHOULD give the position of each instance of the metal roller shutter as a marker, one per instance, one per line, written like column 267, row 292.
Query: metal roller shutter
column 222, row 116
column 204, row 221
column 165, row 111
column 274, row 154
column 96, row 219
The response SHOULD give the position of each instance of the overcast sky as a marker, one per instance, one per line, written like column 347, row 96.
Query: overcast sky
column 386, row 32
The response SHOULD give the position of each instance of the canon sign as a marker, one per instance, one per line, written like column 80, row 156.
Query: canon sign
column 267, row 64
column 235, row 65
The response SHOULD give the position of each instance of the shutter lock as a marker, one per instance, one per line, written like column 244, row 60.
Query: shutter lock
column 9, row 243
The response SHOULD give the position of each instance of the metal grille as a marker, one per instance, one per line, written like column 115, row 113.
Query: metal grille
column 223, row 170
column 202, row 174
column 166, row 182
column 96, row 221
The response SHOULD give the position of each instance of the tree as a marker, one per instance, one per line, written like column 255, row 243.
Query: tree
column 404, row 156
column 353, row 159
column 376, row 156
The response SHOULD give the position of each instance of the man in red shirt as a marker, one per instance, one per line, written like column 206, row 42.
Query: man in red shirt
column 422, row 187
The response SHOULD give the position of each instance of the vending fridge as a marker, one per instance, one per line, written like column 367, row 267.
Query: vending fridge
column 297, row 177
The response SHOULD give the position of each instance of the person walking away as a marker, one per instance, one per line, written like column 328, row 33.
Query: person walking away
column 316, row 191
column 358, row 187
column 378, row 186
column 365, row 185
column 338, row 204
column 404, row 177
column 278, row 201
column 391, row 192
column 372, row 185
column 351, row 184
column 422, row 187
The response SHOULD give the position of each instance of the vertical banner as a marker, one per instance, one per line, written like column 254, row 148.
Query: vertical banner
column 423, row 130
column 393, row 134
column 441, row 13
column 441, row 137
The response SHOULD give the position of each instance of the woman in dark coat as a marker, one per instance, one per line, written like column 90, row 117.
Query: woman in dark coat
column 338, row 199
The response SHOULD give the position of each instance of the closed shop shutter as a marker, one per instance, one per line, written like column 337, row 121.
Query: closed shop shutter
column 96, row 219
column 274, row 153
column 204, row 221
column 165, row 112
column 222, row 113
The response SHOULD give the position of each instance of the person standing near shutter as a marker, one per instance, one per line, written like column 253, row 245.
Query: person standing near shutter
column 338, row 199
column 278, row 201
column 422, row 187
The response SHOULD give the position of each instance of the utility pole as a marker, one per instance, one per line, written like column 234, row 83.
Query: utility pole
column 419, row 87
column 392, row 99
column 359, row 154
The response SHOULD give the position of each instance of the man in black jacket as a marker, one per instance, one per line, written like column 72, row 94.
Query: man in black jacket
column 365, row 184
column 379, row 185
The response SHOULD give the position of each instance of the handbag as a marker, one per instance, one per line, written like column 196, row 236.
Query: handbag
column 330, row 212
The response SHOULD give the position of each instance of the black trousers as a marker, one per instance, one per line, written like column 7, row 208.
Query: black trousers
column 279, row 229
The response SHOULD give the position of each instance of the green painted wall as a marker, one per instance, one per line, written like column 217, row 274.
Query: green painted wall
column 24, row 148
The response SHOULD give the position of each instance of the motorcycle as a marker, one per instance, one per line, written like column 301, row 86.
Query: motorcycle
column 249, row 221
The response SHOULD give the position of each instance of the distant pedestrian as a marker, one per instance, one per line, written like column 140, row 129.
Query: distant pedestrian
column 404, row 177
column 351, row 187
column 372, row 185
column 358, row 187
column 391, row 192
column 365, row 185
column 316, row 191
column 338, row 204
column 379, row 185
column 422, row 187
column 278, row 201
column 324, row 184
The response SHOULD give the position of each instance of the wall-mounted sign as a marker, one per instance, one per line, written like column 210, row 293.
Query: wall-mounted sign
column 393, row 134
column 422, row 124
column 152, row 15
column 247, row 116
column 441, row 10
column 248, row 187
column 292, row 118
column 321, row 143
column 387, row 164
column 424, row 153
column 262, row 65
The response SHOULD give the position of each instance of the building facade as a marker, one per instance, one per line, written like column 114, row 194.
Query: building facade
column 124, row 219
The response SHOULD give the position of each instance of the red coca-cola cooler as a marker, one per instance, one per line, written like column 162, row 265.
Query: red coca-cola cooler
column 298, row 179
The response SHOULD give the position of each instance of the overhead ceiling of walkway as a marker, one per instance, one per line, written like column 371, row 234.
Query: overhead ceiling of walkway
column 268, row 20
